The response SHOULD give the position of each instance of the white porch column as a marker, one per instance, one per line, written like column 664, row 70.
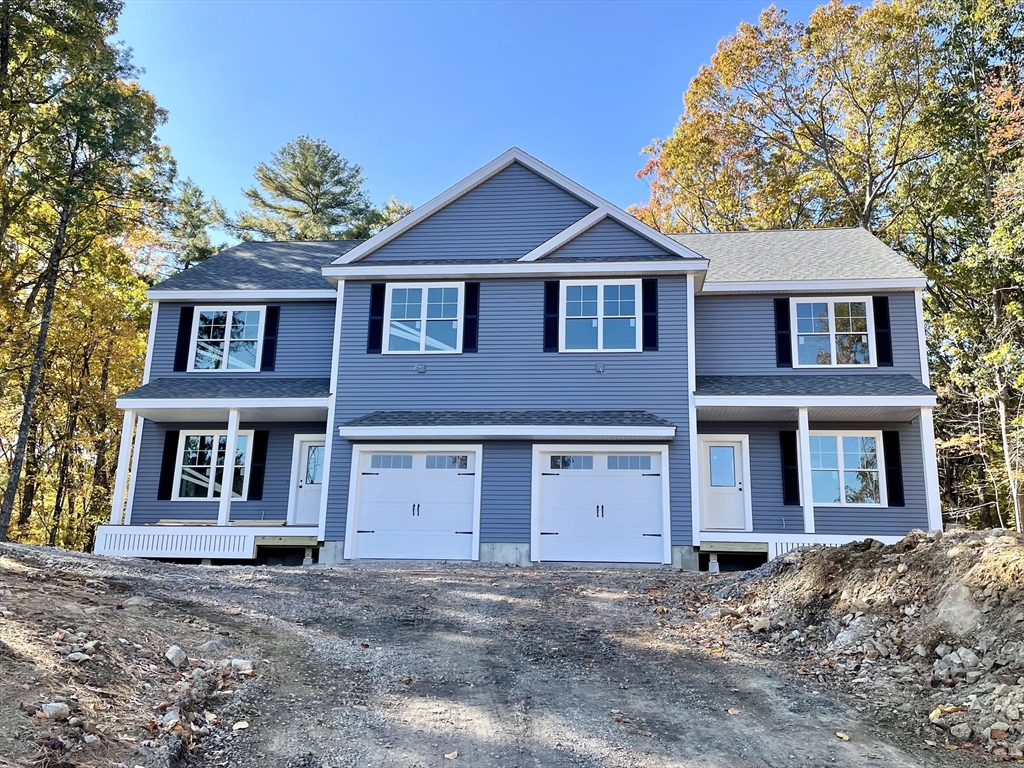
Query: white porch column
column 124, row 456
column 803, row 435
column 227, row 481
column 931, row 471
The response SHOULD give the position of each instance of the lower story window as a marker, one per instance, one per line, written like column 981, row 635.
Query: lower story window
column 202, row 457
column 845, row 469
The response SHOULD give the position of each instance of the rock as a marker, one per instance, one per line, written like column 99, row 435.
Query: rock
column 921, row 651
column 1012, row 711
column 56, row 711
column 91, row 738
column 71, row 609
column 856, row 631
column 79, row 657
column 969, row 658
column 241, row 725
column 943, row 650
column 860, row 606
column 724, row 613
column 961, row 731
column 242, row 665
column 138, row 601
column 761, row 625
column 974, row 676
column 213, row 647
column 176, row 656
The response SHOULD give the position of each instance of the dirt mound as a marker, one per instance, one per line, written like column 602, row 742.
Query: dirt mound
column 928, row 629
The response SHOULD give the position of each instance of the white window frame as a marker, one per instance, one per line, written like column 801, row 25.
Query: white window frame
column 230, row 308
column 832, row 301
column 839, row 434
column 460, row 319
column 562, row 292
column 217, row 433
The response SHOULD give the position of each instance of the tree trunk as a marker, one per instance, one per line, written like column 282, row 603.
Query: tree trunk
column 100, row 493
column 28, row 494
column 64, row 473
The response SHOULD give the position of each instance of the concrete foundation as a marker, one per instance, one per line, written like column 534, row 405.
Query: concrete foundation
column 513, row 554
column 332, row 553
column 685, row 559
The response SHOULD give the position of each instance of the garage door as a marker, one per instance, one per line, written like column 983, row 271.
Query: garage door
column 416, row 505
column 601, row 507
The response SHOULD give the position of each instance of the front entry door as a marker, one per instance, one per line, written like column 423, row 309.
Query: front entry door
column 311, row 476
column 723, row 492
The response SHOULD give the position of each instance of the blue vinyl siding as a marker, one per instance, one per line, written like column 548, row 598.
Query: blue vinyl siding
column 505, row 217
column 735, row 336
column 511, row 371
column 147, row 509
column 305, row 336
column 505, row 493
column 772, row 516
column 609, row 240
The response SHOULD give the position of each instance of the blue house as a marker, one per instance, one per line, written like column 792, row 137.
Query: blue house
column 519, row 372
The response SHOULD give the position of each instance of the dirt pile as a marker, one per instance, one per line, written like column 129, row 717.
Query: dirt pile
column 929, row 630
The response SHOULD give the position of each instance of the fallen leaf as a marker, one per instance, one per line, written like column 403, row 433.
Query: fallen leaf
column 718, row 650
column 843, row 736
column 661, row 609
column 365, row 645
column 241, row 725
column 733, row 711
column 998, row 734
column 952, row 747
column 451, row 755
column 931, row 743
column 872, row 756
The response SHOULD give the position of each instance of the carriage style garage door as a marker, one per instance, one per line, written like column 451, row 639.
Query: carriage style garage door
column 416, row 504
column 600, row 506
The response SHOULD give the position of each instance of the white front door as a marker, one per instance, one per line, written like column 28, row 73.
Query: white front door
column 724, row 493
column 311, row 477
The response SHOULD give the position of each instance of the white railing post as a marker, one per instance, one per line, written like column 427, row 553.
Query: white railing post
column 124, row 456
column 228, row 476
column 931, row 471
column 806, row 488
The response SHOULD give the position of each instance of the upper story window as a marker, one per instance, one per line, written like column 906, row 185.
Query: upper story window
column 226, row 338
column 833, row 332
column 424, row 317
column 199, row 472
column 846, row 468
column 600, row 316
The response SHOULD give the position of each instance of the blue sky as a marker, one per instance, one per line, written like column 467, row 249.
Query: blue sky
column 421, row 94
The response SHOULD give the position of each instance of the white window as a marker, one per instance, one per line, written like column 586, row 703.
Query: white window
column 201, row 460
column 846, row 469
column 226, row 338
column 391, row 461
column 572, row 462
column 424, row 317
column 832, row 332
column 629, row 462
column 600, row 316
column 444, row 461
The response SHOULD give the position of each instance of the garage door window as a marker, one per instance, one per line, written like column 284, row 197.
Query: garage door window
column 443, row 461
column 572, row 462
column 391, row 461
column 629, row 462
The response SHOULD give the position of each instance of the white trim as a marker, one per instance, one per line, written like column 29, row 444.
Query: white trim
column 153, row 312
column 477, row 178
column 124, row 455
column 589, row 221
column 816, row 401
column 230, row 310
column 922, row 339
column 216, row 433
column 136, row 460
column 547, row 448
column 833, row 332
column 227, row 482
column 781, row 543
column 191, row 541
column 638, row 315
column 358, row 449
column 813, row 286
column 933, row 498
column 748, row 494
column 512, row 431
column 339, row 306
column 515, row 269
column 283, row 294
column 839, row 434
column 389, row 290
column 691, row 399
column 297, row 441
column 339, row 312
column 188, row 403
column 803, row 455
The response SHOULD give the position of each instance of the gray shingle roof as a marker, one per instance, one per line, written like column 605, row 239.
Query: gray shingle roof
column 850, row 385
column 292, row 265
column 797, row 254
column 509, row 418
column 229, row 387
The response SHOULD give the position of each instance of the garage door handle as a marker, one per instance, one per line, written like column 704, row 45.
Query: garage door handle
column 365, row 531
column 549, row 473
column 467, row 473
column 651, row 474
column 371, row 473
column 656, row 535
column 467, row 533
column 549, row 533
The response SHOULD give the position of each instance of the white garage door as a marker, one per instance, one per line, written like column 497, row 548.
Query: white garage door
column 416, row 505
column 601, row 507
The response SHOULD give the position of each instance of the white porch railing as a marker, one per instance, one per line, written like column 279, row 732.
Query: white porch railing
column 195, row 541
column 781, row 543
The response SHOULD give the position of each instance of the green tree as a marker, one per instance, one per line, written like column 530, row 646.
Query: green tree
column 188, row 230
column 379, row 219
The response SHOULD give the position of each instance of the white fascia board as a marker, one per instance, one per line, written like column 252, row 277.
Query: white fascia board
column 517, row 269
column 596, row 217
column 469, row 183
column 139, row 404
column 815, row 286
column 155, row 294
column 509, row 431
column 815, row 401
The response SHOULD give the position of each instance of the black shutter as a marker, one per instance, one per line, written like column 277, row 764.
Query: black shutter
column 258, row 465
column 551, row 299
column 471, row 317
column 168, row 464
column 790, row 469
column 783, row 337
column 375, row 334
column 184, row 338
column 883, row 331
column 893, row 468
column 270, row 326
column 649, row 291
